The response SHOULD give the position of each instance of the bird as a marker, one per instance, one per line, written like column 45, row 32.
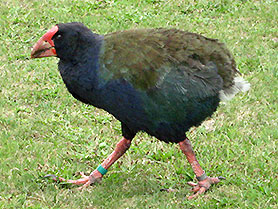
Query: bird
column 161, row 81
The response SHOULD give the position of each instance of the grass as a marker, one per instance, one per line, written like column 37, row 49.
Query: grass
column 45, row 130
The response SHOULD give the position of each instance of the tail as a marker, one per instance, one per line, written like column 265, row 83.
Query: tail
column 239, row 85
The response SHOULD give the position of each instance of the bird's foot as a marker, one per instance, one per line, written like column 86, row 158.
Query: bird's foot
column 203, row 185
column 85, row 181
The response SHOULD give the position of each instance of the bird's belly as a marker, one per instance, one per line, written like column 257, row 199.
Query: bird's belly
column 167, row 123
column 167, row 120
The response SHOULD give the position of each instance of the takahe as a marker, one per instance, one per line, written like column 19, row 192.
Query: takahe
column 160, row 81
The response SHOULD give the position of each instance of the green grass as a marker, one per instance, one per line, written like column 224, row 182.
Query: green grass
column 45, row 130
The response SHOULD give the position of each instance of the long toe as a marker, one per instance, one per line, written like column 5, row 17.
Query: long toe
column 85, row 181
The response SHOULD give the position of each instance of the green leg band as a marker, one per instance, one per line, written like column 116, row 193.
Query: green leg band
column 101, row 169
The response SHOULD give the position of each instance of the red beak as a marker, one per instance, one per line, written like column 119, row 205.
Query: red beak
column 45, row 46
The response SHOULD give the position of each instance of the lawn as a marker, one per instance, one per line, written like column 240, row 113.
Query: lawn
column 44, row 130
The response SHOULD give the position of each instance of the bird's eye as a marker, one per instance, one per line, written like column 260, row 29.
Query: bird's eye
column 58, row 36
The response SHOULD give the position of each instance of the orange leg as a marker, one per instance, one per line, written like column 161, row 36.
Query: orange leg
column 96, row 176
column 204, row 182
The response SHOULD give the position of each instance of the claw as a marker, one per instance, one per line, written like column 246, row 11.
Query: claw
column 54, row 177
column 85, row 181
column 192, row 184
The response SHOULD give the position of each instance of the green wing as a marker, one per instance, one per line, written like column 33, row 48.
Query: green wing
column 152, row 58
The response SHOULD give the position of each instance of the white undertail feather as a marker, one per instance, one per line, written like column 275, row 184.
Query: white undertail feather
column 239, row 85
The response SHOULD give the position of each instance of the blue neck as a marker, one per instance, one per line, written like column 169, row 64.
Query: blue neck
column 81, row 73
